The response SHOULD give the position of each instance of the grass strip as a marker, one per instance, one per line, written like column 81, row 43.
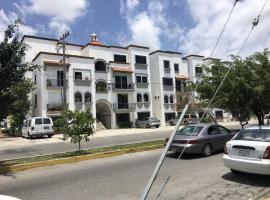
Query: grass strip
column 69, row 157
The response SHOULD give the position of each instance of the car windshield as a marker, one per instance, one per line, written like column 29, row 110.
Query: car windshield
column 190, row 130
column 262, row 135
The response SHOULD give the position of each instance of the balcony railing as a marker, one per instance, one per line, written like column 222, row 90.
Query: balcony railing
column 126, row 87
column 167, row 70
column 168, row 87
column 83, row 106
column 79, row 82
column 170, row 105
column 56, row 83
column 140, row 66
column 142, row 85
column 124, row 107
column 54, row 109
column 146, row 105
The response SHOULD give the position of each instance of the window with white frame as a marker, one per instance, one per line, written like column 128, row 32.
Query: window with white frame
column 141, row 78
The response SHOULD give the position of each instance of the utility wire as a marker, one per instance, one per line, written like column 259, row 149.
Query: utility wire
column 153, row 177
column 223, row 29
column 254, row 24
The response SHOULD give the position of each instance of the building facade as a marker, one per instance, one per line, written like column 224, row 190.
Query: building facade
column 118, row 84
column 112, row 81
column 169, row 74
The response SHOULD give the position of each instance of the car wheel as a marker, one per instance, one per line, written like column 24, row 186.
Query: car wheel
column 185, row 123
column 157, row 126
column 148, row 126
column 49, row 136
column 171, row 123
column 206, row 150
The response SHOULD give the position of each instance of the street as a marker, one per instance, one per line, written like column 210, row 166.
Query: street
column 51, row 148
column 124, row 178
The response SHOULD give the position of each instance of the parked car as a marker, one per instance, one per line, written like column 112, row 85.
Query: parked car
column 148, row 122
column 4, row 197
column 201, row 138
column 249, row 151
column 37, row 126
column 188, row 119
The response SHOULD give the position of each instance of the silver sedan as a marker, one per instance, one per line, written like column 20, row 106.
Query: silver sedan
column 201, row 138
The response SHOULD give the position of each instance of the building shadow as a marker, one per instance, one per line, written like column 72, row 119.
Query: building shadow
column 248, row 179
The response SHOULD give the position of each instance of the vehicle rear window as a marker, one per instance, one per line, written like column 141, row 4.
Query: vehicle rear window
column 262, row 135
column 193, row 116
column 46, row 121
column 38, row 121
column 190, row 130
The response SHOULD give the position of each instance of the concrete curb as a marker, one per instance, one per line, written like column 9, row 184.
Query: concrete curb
column 26, row 166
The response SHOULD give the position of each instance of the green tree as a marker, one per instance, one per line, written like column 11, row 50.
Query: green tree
column 14, row 86
column 77, row 125
column 246, row 89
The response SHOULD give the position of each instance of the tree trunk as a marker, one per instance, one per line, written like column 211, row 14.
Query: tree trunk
column 260, row 117
column 79, row 145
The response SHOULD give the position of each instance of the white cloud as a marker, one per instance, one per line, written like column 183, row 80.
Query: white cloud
column 7, row 19
column 62, row 13
column 148, row 26
column 210, row 16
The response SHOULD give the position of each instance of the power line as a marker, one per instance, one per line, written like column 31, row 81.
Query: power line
column 254, row 24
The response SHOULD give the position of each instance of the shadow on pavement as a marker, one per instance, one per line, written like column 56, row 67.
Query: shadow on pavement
column 187, row 156
column 248, row 179
column 5, row 170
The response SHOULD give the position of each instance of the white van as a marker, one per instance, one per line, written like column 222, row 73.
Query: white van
column 37, row 126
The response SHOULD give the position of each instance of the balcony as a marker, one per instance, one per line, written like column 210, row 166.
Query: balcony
column 129, row 87
column 79, row 82
column 83, row 106
column 168, row 87
column 140, row 66
column 141, row 105
column 55, row 83
column 142, row 85
column 171, row 106
column 124, row 107
column 167, row 70
column 54, row 109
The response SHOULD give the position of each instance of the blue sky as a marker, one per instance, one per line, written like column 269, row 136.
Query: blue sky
column 187, row 26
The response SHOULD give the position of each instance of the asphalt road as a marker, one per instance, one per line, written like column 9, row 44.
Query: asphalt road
column 124, row 178
column 41, row 149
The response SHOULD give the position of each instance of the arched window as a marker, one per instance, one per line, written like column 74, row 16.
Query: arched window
column 145, row 97
column 139, row 97
column 101, row 86
column 166, row 99
column 87, row 97
column 171, row 99
column 78, row 97
column 100, row 66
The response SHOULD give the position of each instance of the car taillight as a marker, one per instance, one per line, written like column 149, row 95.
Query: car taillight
column 32, row 128
column 225, row 149
column 266, row 154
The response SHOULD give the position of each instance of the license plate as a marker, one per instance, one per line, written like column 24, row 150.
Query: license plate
column 243, row 152
column 46, row 127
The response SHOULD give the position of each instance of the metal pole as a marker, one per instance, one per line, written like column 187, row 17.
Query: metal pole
column 64, row 76
column 162, row 157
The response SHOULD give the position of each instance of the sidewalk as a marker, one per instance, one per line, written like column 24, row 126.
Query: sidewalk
column 13, row 142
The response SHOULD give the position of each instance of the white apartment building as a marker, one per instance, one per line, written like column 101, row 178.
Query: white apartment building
column 112, row 81
column 169, row 74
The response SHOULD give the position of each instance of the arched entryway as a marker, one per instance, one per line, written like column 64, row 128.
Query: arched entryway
column 103, row 112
